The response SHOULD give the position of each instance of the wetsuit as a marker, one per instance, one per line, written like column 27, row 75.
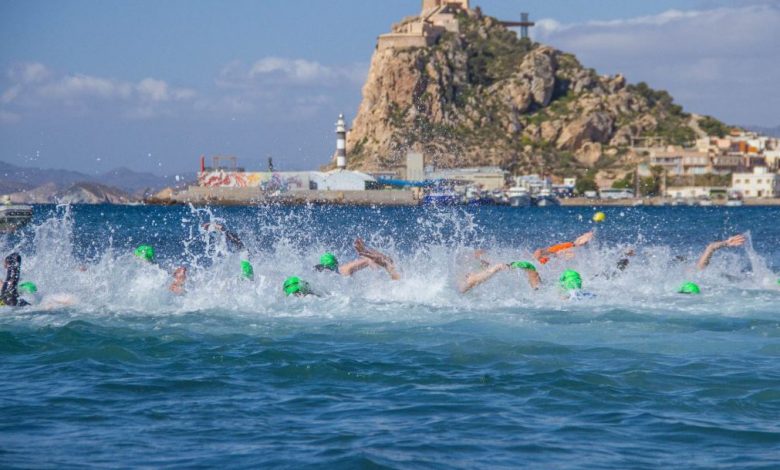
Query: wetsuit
column 10, row 295
column 233, row 241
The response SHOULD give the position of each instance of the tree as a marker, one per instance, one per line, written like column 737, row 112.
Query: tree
column 587, row 183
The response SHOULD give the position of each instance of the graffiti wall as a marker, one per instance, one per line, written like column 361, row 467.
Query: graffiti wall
column 265, row 181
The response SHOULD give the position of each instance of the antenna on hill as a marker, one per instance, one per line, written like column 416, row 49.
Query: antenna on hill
column 524, row 25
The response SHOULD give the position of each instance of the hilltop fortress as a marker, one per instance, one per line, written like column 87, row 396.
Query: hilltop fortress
column 436, row 18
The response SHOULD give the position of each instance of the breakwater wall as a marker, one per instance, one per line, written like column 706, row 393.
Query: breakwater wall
column 243, row 196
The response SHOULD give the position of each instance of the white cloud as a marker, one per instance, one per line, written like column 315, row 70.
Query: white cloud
column 278, row 71
column 722, row 61
column 28, row 72
column 34, row 86
column 272, row 89
column 76, row 86
column 153, row 90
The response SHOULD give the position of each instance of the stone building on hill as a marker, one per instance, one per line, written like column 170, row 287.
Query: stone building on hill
column 436, row 18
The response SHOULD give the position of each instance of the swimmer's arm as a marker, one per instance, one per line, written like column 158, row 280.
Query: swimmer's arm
column 704, row 261
column 475, row 279
column 583, row 239
column 534, row 280
column 354, row 266
column 377, row 258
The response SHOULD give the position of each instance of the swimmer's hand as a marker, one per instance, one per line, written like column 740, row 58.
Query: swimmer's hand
column 736, row 240
column 583, row 239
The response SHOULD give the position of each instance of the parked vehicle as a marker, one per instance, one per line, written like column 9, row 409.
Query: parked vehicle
column 617, row 194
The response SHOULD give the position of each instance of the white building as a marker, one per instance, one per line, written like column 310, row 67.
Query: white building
column 488, row 177
column 341, row 180
column 758, row 184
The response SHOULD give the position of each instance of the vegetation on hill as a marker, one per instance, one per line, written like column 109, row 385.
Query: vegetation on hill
column 486, row 97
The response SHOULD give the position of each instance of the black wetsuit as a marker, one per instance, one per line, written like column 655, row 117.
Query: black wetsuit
column 233, row 241
column 9, row 294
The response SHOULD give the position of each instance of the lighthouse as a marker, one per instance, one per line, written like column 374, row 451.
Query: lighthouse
column 341, row 143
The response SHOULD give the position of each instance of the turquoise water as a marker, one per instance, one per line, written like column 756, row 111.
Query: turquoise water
column 375, row 374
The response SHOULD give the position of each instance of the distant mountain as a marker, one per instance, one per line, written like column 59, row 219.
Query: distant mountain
column 93, row 193
column 79, row 193
column 16, row 178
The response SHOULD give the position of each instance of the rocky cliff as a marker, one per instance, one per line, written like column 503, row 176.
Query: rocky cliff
column 485, row 97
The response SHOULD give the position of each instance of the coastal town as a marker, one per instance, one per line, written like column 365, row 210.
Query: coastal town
column 740, row 167
column 550, row 132
column 447, row 120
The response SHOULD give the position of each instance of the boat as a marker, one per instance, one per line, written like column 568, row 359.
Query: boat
column 518, row 197
column 475, row 197
column 545, row 199
column 14, row 216
column 441, row 197
column 734, row 202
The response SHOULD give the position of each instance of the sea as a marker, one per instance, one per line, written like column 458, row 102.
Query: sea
column 109, row 369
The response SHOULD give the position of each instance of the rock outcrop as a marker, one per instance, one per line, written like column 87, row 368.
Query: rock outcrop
column 485, row 97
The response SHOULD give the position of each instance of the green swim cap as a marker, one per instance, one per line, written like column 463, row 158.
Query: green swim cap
column 523, row 265
column 27, row 288
column 145, row 252
column 329, row 261
column 689, row 288
column 247, row 270
column 571, row 280
column 294, row 285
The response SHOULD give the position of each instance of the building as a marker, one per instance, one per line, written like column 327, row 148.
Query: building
column 436, row 18
column 758, row 184
column 486, row 177
column 726, row 163
column 681, row 162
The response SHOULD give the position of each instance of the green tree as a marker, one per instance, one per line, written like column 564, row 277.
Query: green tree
column 624, row 183
column 587, row 183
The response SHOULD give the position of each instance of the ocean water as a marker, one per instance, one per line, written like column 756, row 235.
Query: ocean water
column 109, row 369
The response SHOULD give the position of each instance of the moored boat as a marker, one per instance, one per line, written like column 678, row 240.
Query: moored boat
column 14, row 216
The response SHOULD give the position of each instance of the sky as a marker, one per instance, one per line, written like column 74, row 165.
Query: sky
column 92, row 85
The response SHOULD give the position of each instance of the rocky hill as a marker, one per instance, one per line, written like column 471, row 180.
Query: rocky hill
column 483, row 96
column 79, row 193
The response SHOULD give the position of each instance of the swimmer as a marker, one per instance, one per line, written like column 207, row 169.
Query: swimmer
column 9, row 295
column 473, row 280
column 689, row 288
column 247, row 271
column 233, row 240
column 620, row 266
column 367, row 257
column 562, row 249
column 145, row 253
column 571, row 283
column 179, row 279
column 297, row 287
column 704, row 261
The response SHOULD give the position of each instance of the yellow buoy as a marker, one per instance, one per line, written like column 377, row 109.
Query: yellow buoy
column 599, row 217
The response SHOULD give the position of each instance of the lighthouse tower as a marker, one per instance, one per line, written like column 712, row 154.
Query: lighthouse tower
column 341, row 143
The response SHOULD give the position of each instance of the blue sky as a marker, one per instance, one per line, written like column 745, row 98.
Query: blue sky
column 93, row 85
